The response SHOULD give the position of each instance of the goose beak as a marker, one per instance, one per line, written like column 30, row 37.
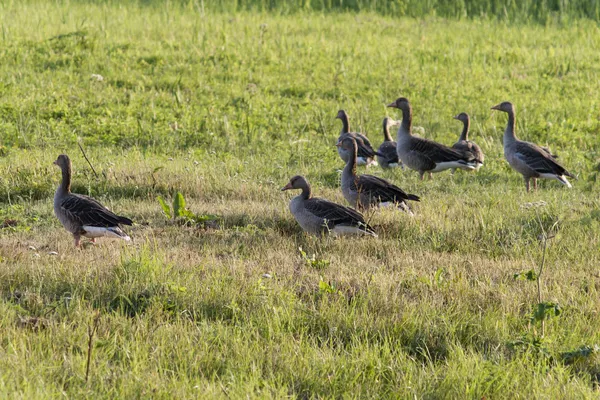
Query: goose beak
column 338, row 144
column 496, row 107
column 287, row 187
column 393, row 105
column 55, row 162
column 455, row 117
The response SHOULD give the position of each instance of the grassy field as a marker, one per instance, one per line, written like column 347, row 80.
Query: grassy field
column 225, row 108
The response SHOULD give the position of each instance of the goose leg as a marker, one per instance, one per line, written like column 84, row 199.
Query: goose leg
column 430, row 176
column 93, row 240
column 534, row 183
column 527, row 184
column 422, row 175
column 77, row 239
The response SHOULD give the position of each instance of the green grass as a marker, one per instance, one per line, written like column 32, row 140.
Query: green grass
column 430, row 309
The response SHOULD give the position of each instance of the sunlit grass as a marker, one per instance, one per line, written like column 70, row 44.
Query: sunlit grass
column 225, row 109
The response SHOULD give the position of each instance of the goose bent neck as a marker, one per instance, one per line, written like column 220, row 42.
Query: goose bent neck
column 386, row 132
column 306, row 191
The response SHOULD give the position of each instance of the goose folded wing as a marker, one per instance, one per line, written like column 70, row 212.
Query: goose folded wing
column 437, row 152
column 389, row 152
column 381, row 189
column 335, row 214
column 539, row 160
column 87, row 211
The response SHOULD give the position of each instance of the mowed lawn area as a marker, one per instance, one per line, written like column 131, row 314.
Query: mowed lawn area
column 234, row 300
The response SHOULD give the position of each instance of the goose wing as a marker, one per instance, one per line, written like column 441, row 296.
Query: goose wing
column 365, row 149
column 540, row 160
column 471, row 147
column 437, row 152
column 382, row 189
column 87, row 211
column 388, row 151
column 335, row 214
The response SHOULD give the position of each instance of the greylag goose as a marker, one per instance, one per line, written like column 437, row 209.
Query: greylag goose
column 464, row 144
column 530, row 160
column 81, row 215
column 389, row 155
column 366, row 154
column 319, row 216
column 366, row 191
column 425, row 155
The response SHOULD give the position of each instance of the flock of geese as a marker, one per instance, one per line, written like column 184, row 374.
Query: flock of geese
column 83, row 216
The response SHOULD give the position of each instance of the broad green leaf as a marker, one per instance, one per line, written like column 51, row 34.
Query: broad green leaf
column 165, row 207
column 178, row 205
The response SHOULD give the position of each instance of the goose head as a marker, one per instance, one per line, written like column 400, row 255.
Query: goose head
column 464, row 117
column 348, row 143
column 341, row 115
column 401, row 103
column 505, row 106
column 297, row 182
column 63, row 161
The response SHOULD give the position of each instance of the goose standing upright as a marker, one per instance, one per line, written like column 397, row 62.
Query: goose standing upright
column 530, row 160
column 466, row 145
column 319, row 216
column 81, row 215
column 424, row 155
column 366, row 191
column 366, row 154
column 389, row 155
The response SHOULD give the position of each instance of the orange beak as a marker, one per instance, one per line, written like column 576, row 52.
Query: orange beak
column 287, row 187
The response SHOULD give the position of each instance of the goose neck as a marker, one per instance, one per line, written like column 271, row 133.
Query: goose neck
column 345, row 124
column 406, row 125
column 465, row 132
column 65, row 184
column 509, row 133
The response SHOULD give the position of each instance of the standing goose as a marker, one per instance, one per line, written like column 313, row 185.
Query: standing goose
column 366, row 191
column 389, row 155
column 529, row 159
column 319, row 216
column 464, row 144
column 425, row 155
column 81, row 215
column 366, row 154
